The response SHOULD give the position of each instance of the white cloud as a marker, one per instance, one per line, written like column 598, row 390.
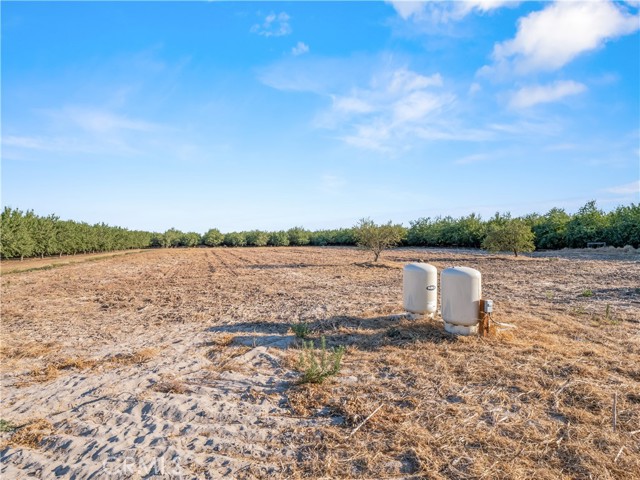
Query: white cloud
column 274, row 25
column 626, row 189
column 533, row 95
column 407, row 9
column 435, row 12
column 351, row 105
column 396, row 102
column 101, row 121
column 474, row 88
column 34, row 143
column 332, row 183
column 475, row 158
column 547, row 40
column 299, row 49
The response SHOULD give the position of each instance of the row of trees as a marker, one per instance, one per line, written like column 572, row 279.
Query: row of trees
column 24, row 234
column 554, row 230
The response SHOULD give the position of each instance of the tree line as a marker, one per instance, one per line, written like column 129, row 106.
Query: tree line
column 25, row 234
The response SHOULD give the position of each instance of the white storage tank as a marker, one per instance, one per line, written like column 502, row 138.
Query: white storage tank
column 420, row 288
column 460, row 292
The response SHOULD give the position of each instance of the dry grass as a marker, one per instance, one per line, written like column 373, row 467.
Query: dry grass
column 171, row 385
column 56, row 368
column 535, row 402
column 30, row 435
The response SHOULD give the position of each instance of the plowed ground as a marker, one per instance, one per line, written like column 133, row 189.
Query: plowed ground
column 181, row 362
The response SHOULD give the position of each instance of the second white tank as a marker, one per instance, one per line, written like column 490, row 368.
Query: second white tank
column 460, row 294
column 420, row 288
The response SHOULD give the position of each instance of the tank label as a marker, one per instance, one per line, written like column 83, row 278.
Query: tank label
column 431, row 287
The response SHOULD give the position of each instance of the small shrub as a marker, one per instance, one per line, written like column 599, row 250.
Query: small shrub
column 586, row 293
column 7, row 426
column 317, row 367
column 301, row 329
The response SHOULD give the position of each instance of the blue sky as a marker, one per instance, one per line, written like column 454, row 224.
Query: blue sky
column 268, row 115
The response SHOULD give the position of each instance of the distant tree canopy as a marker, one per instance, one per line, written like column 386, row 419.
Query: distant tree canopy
column 25, row 234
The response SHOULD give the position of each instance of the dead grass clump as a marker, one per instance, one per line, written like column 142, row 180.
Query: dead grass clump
column 138, row 357
column 27, row 350
column 222, row 359
column 54, row 369
column 31, row 434
column 222, row 340
column 307, row 399
column 171, row 385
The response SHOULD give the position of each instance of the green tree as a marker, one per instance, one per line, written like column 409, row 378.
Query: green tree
column 298, row 236
column 551, row 230
column 378, row 238
column 624, row 226
column 257, row 238
column 190, row 239
column 213, row 238
column 15, row 235
column 278, row 239
column 235, row 239
column 513, row 235
column 589, row 224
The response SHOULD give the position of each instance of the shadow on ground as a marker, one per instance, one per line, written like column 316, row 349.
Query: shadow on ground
column 363, row 333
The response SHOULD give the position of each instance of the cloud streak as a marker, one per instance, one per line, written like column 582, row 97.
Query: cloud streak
column 533, row 95
column 626, row 189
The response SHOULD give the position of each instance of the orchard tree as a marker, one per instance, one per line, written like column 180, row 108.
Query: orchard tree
column 235, row 239
column 377, row 238
column 513, row 235
column 257, row 238
column 213, row 238
column 16, row 240
column 298, row 236
column 589, row 224
column 551, row 230
column 279, row 239
column 190, row 239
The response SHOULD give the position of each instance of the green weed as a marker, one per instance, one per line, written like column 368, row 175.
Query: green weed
column 7, row 425
column 315, row 366
column 301, row 329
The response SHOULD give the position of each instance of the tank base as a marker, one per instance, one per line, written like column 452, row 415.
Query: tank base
column 461, row 329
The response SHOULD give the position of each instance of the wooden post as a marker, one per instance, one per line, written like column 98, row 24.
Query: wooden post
column 483, row 324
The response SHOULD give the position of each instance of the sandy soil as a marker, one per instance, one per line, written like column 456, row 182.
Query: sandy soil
column 181, row 362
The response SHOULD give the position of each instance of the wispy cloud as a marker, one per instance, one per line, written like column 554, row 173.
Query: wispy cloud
column 100, row 121
column 444, row 12
column 535, row 94
column 332, row 183
column 548, row 39
column 395, row 102
column 86, row 130
column 300, row 49
column 469, row 159
column 274, row 25
column 626, row 189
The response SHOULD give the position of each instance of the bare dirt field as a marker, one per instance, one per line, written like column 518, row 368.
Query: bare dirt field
column 180, row 363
